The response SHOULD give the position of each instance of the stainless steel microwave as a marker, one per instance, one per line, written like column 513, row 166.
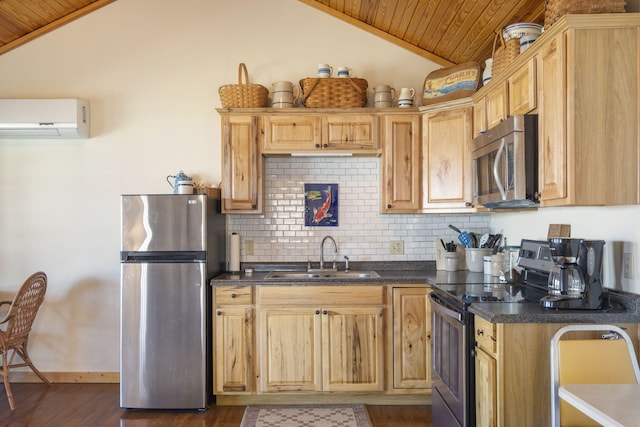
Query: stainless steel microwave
column 505, row 164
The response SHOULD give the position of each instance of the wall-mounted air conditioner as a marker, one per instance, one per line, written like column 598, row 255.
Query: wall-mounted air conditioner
column 44, row 118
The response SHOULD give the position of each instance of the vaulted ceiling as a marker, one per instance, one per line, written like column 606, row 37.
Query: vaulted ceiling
column 24, row 20
column 445, row 31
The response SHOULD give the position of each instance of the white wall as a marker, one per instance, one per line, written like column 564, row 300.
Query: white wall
column 617, row 225
column 151, row 70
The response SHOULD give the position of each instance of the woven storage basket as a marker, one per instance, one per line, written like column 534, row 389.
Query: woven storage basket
column 243, row 95
column 504, row 54
column 334, row 92
column 555, row 9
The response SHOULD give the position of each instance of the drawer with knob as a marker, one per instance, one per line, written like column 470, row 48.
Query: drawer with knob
column 233, row 295
column 485, row 335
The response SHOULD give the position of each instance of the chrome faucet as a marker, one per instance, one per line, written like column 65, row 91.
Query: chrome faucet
column 335, row 251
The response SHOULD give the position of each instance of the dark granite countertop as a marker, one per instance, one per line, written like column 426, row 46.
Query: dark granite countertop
column 519, row 310
column 416, row 272
column 398, row 272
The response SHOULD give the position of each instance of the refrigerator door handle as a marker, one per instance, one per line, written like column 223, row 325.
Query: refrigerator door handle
column 163, row 256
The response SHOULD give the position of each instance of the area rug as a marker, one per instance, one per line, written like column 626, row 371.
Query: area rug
column 306, row 416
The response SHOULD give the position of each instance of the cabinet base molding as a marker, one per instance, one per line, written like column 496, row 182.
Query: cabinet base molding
column 311, row 399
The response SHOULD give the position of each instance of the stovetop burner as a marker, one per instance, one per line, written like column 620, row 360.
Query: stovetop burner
column 480, row 298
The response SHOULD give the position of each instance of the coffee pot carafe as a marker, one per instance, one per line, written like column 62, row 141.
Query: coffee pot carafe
column 182, row 183
column 575, row 279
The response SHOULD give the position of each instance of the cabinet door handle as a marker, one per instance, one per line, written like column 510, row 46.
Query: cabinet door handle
column 324, row 312
column 389, row 206
column 317, row 145
column 325, row 145
column 317, row 311
column 233, row 296
column 479, row 332
column 219, row 313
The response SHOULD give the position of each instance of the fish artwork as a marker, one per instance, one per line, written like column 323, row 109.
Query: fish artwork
column 321, row 204
column 323, row 211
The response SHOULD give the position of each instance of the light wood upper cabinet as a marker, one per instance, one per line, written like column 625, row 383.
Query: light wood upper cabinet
column 492, row 108
column 582, row 79
column 401, row 163
column 289, row 134
column 352, row 132
column 411, row 339
column 522, row 89
column 446, row 156
column 497, row 104
column 588, row 151
column 241, row 164
column 479, row 117
column 304, row 131
column 552, row 141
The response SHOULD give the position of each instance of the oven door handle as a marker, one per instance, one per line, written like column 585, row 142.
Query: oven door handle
column 496, row 175
column 439, row 305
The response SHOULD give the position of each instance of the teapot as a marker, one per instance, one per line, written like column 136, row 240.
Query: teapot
column 180, row 183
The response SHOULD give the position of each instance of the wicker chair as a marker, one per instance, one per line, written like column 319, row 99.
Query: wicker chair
column 18, row 321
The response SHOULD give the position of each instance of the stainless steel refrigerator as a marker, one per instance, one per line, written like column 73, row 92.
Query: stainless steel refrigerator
column 171, row 246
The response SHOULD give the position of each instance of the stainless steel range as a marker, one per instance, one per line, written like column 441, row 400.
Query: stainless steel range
column 453, row 343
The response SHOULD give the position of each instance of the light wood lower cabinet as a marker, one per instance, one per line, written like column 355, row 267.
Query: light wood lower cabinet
column 233, row 340
column 411, row 339
column 320, row 338
column 290, row 349
column 372, row 340
column 512, row 363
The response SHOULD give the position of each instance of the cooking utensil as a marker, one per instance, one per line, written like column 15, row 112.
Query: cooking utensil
column 496, row 243
column 463, row 236
column 474, row 239
column 483, row 240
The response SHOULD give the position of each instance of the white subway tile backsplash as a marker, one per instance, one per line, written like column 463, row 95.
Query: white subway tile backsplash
column 363, row 234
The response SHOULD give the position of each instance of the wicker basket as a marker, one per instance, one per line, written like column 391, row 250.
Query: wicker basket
column 334, row 92
column 504, row 54
column 555, row 9
column 243, row 95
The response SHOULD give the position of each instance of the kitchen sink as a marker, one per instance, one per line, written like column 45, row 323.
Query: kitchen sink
column 321, row 274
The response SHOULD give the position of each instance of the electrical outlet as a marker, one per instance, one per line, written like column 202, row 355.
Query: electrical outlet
column 396, row 247
column 248, row 247
column 627, row 265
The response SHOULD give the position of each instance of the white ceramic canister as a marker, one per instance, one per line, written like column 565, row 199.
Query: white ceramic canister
column 383, row 96
column 185, row 187
column 487, row 264
column 488, row 68
column 284, row 94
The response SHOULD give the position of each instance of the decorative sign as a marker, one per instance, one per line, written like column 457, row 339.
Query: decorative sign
column 451, row 83
column 321, row 205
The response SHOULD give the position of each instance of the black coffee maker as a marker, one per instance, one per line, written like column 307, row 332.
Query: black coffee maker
column 575, row 281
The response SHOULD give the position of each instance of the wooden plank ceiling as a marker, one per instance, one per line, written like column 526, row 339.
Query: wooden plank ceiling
column 445, row 31
column 24, row 20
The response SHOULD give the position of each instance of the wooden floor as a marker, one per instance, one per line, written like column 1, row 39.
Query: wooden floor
column 97, row 405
